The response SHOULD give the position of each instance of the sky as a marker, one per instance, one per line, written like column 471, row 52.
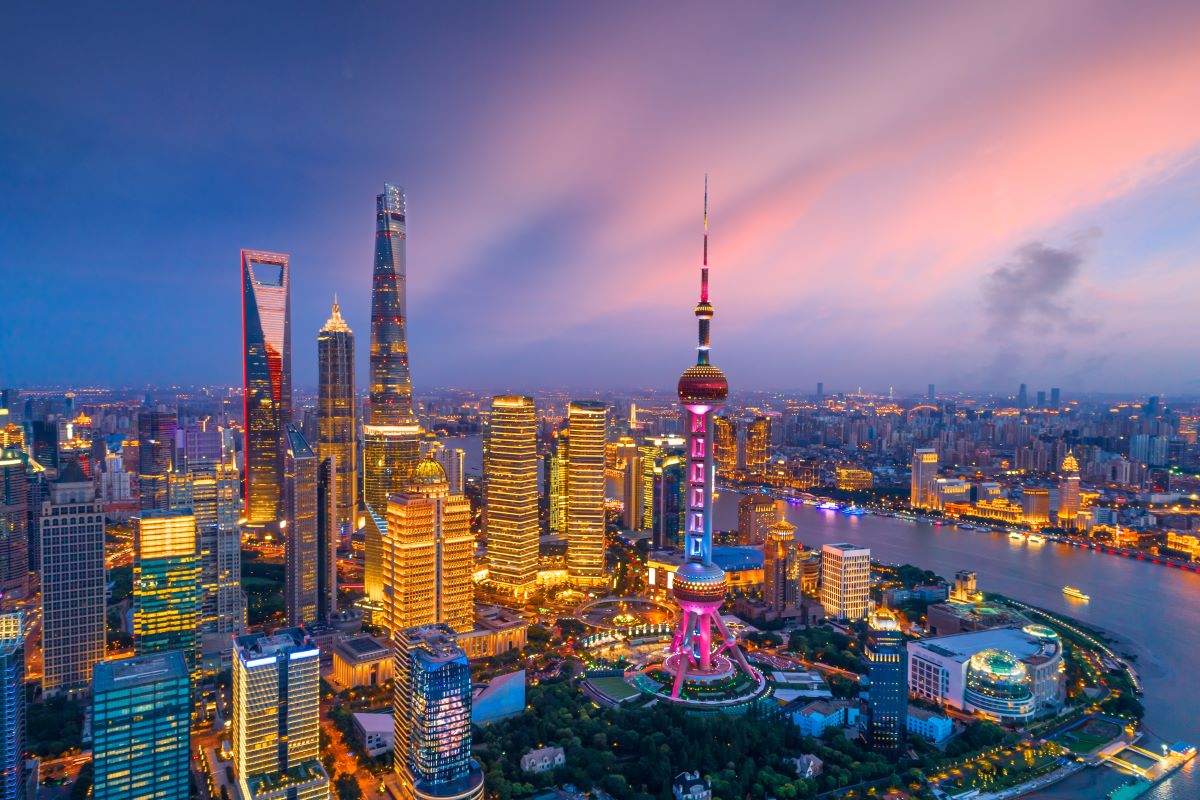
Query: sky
column 969, row 194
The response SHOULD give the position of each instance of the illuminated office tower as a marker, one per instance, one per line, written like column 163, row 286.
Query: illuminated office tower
column 166, row 584
column 432, row 708
column 924, row 470
column 327, row 538
column 670, row 502
column 141, row 734
column 588, row 423
column 630, row 458
column 156, row 458
column 453, row 461
column 754, row 443
column 276, row 724
column 335, row 413
column 650, row 456
column 391, row 436
column 73, row 583
column 1035, row 507
column 12, row 707
column 556, row 480
column 845, row 581
column 267, row 339
column 724, row 445
column 756, row 514
column 299, row 530
column 780, row 584
column 14, row 525
column 887, row 670
column 1069, row 501
column 511, row 494
column 428, row 554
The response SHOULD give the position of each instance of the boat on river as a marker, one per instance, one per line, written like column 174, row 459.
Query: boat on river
column 1075, row 594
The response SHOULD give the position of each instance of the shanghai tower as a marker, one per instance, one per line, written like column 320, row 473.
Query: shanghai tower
column 391, row 434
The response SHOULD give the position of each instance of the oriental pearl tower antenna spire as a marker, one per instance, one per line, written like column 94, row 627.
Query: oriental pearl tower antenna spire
column 699, row 584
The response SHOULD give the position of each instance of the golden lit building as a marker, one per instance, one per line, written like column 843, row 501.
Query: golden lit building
column 588, row 423
column 1069, row 501
column 754, row 443
column 336, row 418
column 845, row 581
column 779, row 554
column 1185, row 543
column 650, row 455
column 756, row 514
column 166, row 584
column 1035, row 506
column 852, row 479
column 361, row 660
column 511, row 494
column 629, row 465
column 924, row 470
column 1001, row 510
column 556, row 488
column 724, row 445
column 497, row 631
column 428, row 554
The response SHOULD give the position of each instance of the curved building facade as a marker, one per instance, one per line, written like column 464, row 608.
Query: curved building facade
column 999, row 685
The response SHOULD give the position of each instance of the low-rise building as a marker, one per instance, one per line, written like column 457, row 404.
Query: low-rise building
column 376, row 731
column 503, row 696
column 808, row 766
column 690, row 786
column 818, row 716
column 929, row 725
column 361, row 660
column 497, row 630
column 543, row 759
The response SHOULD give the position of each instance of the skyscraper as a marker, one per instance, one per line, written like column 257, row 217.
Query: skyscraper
column 14, row 525
column 887, row 670
column 754, row 445
column 588, row 422
column 428, row 554
column 699, row 584
column 391, row 437
column 166, row 584
column 327, row 538
column 781, row 585
column 432, row 753
column 924, row 470
column 141, row 734
column 669, row 502
column 453, row 461
column 276, row 725
column 1023, row 397
column 300, row 530
column 214, row 499
column 1055, row 397
column 556, row 480
column 12, row 707
column 267, row 338
column 336, row 414
column 724, row 444
column 631, row 483
column 73, row 583
column 156, row 458
column 756, row 514
column 511, row 494
column 1069, row 500
column 845, row 580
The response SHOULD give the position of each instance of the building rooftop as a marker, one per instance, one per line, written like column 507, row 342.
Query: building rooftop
column 377, row 722
column 362, row 647
column 962, row 646
column 497, row 618
column 126, row 672
column 260, row 645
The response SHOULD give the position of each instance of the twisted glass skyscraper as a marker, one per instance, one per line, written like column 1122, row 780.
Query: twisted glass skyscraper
column 391, row 434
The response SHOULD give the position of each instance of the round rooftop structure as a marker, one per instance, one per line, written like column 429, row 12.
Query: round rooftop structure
column 999, row 685
column 696, row 582
column 427, row 473
column 1041, row 632
column 782, row 530
column 703, row 385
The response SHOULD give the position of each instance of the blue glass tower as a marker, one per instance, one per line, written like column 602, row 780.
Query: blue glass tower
column 12, row 707
column 141, row 728
column 887, row 662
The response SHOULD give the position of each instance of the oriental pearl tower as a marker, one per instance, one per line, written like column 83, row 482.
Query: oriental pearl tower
column 699, row 584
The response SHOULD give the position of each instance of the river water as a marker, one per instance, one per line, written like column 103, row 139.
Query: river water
column 1154, row 607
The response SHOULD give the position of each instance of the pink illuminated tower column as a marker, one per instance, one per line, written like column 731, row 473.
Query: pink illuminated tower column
column 699, row 584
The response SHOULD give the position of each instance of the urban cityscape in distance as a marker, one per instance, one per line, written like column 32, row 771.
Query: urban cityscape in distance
column 663, row 402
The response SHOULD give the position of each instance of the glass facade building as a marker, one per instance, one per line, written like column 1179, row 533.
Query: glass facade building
column 300, row 531
column 141, row 728
column 74, row 578
column 588, row 424
column 432, row 754
column 14, row 525
column 267, row 350
column 166, row 584
column 511, row 494
column 156, row 457
column 336, row 418
column 12, row 707
column 887, row 669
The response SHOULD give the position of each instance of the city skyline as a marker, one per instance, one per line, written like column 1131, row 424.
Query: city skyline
column 985, row 188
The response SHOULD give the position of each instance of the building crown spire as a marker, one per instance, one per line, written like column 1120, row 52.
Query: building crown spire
column 335, row 323
column 704, row 309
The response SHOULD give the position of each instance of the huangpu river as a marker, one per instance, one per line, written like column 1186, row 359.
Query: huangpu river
column 1155, row 608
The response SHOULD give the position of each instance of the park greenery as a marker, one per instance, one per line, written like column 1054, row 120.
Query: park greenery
column 53, row 727
column 263, row 583
column 828, row 647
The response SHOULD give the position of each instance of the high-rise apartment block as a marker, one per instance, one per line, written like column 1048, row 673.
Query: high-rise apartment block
column 336, row 417
column 511, row 494
column 845, row 581
column 166, row 584
column 756, row 514
column 267, row 352
column 432, row 752
column 74, row 580
column 924, row 470
column 556, row 480
column 781, row 584
column 887, row 670
column 428, row 554
column 14, row 525
column 276, row 723
column 141, row 728
column 588, row 423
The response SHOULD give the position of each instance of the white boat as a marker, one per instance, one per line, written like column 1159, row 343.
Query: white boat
column 1017, row 536
column 1075, row 594
column 1035, row 538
